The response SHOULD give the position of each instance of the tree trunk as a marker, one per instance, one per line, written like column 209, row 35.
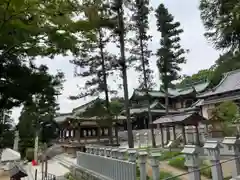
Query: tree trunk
column 146, row 89
column 166, row 105
column 105, row 85
column 124, row 73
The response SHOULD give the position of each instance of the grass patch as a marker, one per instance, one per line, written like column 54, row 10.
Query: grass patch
column 178, row 163
column 166, row 155
column 163, row 175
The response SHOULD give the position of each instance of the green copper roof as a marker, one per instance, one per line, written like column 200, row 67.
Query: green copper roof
column 175, row 92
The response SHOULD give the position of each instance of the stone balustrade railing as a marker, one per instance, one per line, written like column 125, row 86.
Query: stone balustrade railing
column 143, row 159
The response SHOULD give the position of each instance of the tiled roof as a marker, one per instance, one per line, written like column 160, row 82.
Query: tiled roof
column 230, row 82
column 185, row 118
column 172, row 118
column 143, row 109
column 82, row 108
column 175, row 92
column 151, row 93
column 184, row 91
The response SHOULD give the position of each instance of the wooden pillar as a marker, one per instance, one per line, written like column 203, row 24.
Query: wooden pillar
column 174, row 133
column 72, row 134
column 64, row 134
column 98, row 134
column 79, row 133
column 184, row 135
column 162, row 135
column 116, row 134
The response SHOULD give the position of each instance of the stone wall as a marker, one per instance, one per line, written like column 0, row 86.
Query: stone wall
column 83, row 174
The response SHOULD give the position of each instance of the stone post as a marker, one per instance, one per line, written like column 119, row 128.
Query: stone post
column 114, row 153
column 138, row 140
column 146, row 138
column 90, row 150
column 16, row 141
column 87, row 149
column 233, row 145
column 154, row 157
column 142, row 165
column 95, row 149
column 108, row 152
column 36, row 147
column 213, row 152
column 132, row 155
column 192, row 161
column 101, row 151
column 121, row 154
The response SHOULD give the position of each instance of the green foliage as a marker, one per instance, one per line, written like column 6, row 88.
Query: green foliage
column 165, row 175
column 139, row 52
column 225, row 63
column 170, row 55
column 166, row 155
column 178, row 162
column 99, row 109
column 30, row 154
column 69, row 176
column 221, row 20
column 200, row 76
column 34, row 28
column 38, row 113
column 227, row 111
column 6, row 130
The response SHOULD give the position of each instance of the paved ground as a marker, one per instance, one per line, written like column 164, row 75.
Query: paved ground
column 53, row 168
column 4, row 175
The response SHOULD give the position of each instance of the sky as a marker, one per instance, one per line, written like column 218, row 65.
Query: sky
column 201, row 54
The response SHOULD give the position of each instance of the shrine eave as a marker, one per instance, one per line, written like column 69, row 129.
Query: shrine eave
column 186, row 119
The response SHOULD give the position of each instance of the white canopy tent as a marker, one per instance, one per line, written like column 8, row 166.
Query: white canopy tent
column 9, row 155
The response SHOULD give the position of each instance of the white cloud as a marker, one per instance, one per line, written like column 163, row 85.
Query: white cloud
column 201, row 54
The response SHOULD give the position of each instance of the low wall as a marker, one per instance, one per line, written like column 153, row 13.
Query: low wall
column 79, row 173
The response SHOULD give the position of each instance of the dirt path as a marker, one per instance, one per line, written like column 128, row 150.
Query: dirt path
column 174, row 171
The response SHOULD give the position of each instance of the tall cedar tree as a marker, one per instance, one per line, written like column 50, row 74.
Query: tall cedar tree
column 96, row 61
column 40, row 111
column 221, row 19
column 118, row 10
column 170, row 54
column 139, row 51
column 6, row 129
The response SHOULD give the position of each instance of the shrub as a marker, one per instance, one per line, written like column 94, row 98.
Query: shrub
column 69, row 176
column 30, row 154
column 168, row 155
column 178, row 162
column 164, row 175
column 206, row 171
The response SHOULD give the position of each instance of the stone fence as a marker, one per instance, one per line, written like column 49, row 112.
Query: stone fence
column 104, row 163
